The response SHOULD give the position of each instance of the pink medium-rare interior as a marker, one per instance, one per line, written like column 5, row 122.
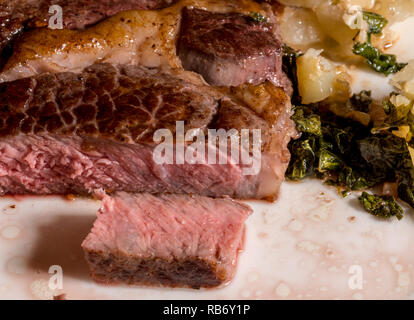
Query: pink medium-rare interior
column 170, row 227
column 47, row 164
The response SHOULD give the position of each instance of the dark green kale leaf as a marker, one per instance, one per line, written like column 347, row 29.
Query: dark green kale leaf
column 328, row 161
column 305, row 150
column 344, row 153
column 289, row 68
column 384, row 152
column 327, row 149
column 405, row 178
column 388, row 155
column 380, row 62
column 303, row 159
column 354, row 179
column 302, row 165
column 376, row 22
column 381, row 206
column 406, row 193
column 306, row 121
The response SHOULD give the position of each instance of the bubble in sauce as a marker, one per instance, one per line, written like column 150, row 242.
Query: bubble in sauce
column 282, row 290
column 10, row 232
column 245, row 294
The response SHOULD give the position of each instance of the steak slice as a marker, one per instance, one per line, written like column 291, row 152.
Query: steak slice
column 75, row 133
column 166, row 240
column 230, row 49
column 17, row 15
column 78, row 14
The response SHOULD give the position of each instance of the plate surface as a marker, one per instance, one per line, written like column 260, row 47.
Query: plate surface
column 311, row 244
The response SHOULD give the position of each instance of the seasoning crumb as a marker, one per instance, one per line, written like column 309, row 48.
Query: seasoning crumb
column 263, row 235
column 70, row 197
column 352, row 219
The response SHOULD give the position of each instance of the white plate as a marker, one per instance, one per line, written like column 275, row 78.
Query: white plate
column 310, row 244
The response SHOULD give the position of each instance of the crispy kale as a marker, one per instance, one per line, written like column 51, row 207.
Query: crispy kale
column 381, row 206
column 304, row 150
column 405, row 192
column 326, row 150
column 344, row 153
column 376, row 22
column 328, row 161
column 307, row 121
column 303, row 163
column 380, row 62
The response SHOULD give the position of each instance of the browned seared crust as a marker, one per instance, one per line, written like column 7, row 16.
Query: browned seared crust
column 79, row 14
column 126, row 104
column 16, row 15
column 117, row 268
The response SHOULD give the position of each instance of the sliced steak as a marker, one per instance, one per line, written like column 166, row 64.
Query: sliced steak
column 166, row 240
column 66, row 132
column 78, row 14
column 10, row 26
column 230, row 49
column 16, row 15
